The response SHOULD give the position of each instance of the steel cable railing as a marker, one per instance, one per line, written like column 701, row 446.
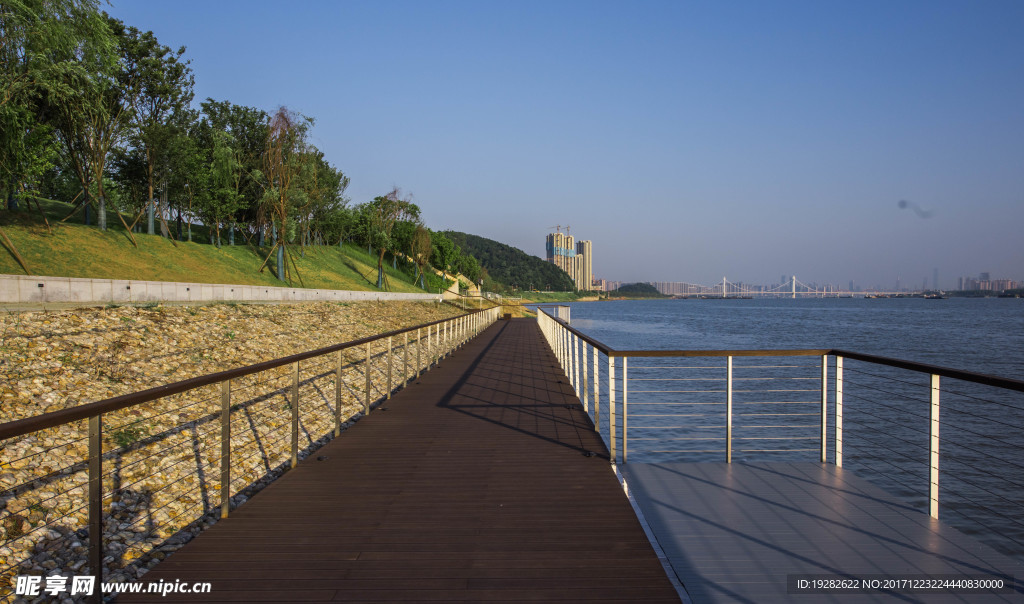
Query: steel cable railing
column 887, row 419
column 158, row 465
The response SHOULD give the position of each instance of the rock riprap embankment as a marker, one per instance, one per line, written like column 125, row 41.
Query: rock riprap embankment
column 162, row 459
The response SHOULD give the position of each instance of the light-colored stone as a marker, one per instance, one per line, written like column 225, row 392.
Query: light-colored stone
column 167, row 452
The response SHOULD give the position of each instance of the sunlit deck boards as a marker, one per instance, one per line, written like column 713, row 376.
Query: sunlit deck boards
column 471, row 485
column 733, row 532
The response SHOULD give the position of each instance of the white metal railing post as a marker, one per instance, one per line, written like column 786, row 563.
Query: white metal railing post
column 625, row 414
column 728, row 409
column 597, row 394
column 611, row 406
column 557, row 336
column 567, row 341
column 565, row 348
column 824, row 408
column 576, row 363
column 933, row 491
column 570, row 340
column 839, row 411
column 586, row 382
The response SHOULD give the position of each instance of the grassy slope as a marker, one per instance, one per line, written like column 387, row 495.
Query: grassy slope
column 544, row 297
column 75, row 250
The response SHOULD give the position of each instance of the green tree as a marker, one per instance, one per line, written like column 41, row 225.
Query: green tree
column 379, row 218
column 39, row 44
column 445, row 252
column 90, row 127
column 283, row 161
column 162, row 91
column 220, row 197
column 420, row 250
column 469, row 267
column 249, row 132
column 323, row 196
column 187, row 181
column 339, row 225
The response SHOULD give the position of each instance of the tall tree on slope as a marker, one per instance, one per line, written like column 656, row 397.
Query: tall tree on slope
column 162, row 94
column 283, row 160
column 380, row 216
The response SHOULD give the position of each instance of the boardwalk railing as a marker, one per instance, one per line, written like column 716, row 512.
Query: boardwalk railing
column 878, row 416
column 109, row 488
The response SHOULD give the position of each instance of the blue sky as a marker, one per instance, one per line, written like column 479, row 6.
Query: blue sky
column 688, row 141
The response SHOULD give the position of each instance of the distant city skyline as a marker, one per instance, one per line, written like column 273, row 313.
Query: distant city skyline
column 870, row 141
column 982, row 282
column 785, row 285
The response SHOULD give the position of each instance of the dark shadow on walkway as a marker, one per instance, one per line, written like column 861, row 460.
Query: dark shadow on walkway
column 470, row 486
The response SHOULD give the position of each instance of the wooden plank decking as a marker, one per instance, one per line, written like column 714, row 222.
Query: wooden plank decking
column 470, row 485
column 733, row 532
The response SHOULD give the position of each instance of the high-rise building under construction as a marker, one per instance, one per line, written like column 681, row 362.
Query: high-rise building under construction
column 575, row 259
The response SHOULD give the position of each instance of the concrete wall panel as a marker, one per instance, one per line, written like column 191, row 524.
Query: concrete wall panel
column 25, row 289
column 120, row 291
column 29, row 290
column 8, row 291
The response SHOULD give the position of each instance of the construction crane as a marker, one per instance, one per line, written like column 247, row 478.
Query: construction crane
column 557, row 227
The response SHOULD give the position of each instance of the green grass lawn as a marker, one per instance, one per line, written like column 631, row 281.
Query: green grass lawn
column 544, row 297
column 73, row 249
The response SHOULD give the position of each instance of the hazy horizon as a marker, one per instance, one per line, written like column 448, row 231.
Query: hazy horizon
column 860, row 141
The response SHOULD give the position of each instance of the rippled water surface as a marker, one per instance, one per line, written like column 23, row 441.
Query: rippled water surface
column 983, row 335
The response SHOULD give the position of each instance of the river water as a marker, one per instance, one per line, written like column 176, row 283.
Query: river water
column 677, row 410
column 983, row 335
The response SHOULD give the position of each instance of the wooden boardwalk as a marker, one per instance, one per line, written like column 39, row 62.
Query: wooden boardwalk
column 472, row 484
column 733, row 533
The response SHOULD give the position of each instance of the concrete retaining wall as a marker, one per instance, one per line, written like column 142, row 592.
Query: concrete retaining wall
column 31, row 290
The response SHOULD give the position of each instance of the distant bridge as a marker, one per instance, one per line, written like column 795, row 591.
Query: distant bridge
column 793, row 288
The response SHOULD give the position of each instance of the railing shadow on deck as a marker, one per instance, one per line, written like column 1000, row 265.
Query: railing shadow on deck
column 525, row 407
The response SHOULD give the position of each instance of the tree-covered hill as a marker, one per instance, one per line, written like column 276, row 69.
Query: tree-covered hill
column 511, row 267
column 638, row 290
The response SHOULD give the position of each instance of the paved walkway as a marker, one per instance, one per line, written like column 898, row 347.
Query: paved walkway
column 473, row 484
